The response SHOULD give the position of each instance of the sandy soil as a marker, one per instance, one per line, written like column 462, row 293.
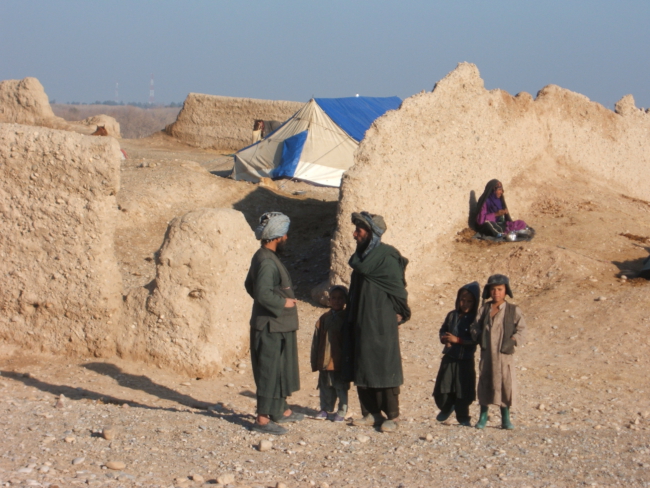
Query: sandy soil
column 582, row 419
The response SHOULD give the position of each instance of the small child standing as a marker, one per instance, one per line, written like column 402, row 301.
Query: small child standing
column 499, row 327
column 326, row 356
column 456, row 382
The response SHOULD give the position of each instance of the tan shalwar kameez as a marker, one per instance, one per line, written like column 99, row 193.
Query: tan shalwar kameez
column 497, row 384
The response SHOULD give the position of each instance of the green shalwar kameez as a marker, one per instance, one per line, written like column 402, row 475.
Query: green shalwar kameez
column 377, row 295
column 273, row 344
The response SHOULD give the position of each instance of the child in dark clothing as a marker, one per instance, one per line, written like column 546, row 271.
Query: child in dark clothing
column 326, row 357
column 455, row 385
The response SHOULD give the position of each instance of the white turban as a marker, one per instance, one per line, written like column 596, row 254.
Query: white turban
column 272, row 225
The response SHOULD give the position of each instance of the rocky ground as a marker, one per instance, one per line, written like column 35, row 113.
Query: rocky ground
column 583, row 416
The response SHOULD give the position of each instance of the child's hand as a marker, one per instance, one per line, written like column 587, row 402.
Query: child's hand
column 449, row 338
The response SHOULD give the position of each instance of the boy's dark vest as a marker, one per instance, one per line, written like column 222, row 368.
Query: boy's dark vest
column 288, row 320
column 508, row 344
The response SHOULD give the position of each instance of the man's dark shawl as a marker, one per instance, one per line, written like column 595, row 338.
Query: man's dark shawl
column 377, row 294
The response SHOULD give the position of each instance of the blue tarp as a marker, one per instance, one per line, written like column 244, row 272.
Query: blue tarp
column 355, row 114
column 291, row 151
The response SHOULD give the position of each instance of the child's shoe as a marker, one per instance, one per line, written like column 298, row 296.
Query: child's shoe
column 505, row 419
column 337, row 418
column 444, row 415
column 482, row 420
column 322, row 415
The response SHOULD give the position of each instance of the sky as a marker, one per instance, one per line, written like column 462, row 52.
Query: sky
column 296, row 50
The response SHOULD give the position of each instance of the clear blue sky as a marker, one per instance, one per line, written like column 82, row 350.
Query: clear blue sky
column 293, row 50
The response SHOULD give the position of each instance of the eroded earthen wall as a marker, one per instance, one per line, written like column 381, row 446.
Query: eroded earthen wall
column 418, row 166
column 196, row 320
column 225, row 123
column 61, row 289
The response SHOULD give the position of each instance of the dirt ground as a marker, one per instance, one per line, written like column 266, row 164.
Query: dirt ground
column 583, row 413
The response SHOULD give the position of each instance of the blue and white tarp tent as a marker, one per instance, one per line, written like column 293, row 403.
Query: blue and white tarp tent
column 317, row 144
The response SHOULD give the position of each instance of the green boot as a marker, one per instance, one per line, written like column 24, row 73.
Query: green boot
column 505, row 419
column 482, row 420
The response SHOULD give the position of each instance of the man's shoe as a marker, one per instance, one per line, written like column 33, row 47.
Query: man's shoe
column 369, row 420
column 322, row 415
column 292, row 417
column 505, row 419
column 389, row 426
column 442, row 416
column 482, row 420
column 337, row 418
column 269, row 428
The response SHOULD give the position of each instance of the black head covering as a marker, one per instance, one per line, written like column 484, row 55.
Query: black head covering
column 497, row 279
column 489, row 189
column 475, row 289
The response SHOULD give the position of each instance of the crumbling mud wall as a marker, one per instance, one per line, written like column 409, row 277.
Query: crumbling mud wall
column 195, row 320
column 418, row 166
column 225, row 123
column 61, row 288
column 25, row 102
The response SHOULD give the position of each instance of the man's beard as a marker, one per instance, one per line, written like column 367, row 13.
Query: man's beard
column 281, row 247
column 363, row 245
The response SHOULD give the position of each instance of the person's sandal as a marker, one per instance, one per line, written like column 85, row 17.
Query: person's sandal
column 368, row 421
column 269, row 428
column 389, row 426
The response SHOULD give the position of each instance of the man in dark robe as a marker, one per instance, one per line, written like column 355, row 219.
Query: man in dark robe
column 378, row 305
column 274, row 322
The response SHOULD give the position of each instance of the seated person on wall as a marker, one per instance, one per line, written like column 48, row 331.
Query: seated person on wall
column 493, row 218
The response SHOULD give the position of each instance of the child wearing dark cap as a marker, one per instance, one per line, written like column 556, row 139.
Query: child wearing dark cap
column 456, row 382
column 326, row 357
column 499, row 329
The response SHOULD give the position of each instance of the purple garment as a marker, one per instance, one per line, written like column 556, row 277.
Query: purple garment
column 514, row 225
column 490, row 207
column 493, row 204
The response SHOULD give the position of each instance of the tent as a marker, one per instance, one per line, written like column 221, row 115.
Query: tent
column 317, row 144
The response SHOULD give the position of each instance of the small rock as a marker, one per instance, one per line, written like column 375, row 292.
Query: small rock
column 60, row 402
column 108, row 433
column 115, row 465
column 187, row 383
column 280, row 484
column 198, row 478
column 265, row 446
column 226, row 479
column 242, row 365
column 303, row 443
column 70, row 439
column 324, row 485
column 541, row 406
column 429, row 438
column 600, row 299
column 24, row 470
column 125, row 405
column 363, row 438
column 78, row 460
column 230, row 385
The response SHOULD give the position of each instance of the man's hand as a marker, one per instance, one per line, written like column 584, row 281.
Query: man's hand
column 290, row 302
column 399, row 318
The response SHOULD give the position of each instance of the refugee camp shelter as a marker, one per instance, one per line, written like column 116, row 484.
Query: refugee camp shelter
column 317, row 144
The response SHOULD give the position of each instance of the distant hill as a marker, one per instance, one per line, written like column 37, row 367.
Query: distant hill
column 135, row 122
